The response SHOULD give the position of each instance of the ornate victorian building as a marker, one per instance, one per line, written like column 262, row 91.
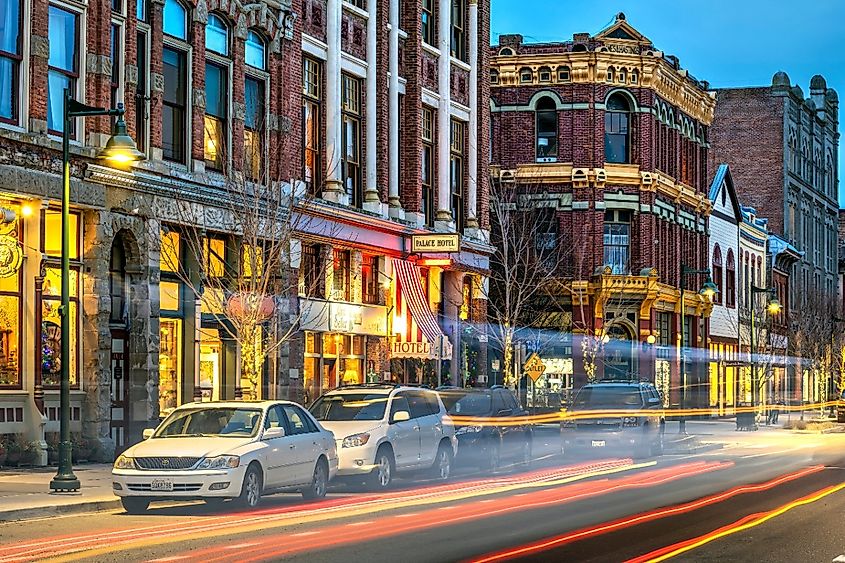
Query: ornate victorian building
column 609, row 136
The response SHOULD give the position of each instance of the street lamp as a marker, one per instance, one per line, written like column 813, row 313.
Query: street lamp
column 708, row 291
column 773, row 307
column 120, row 149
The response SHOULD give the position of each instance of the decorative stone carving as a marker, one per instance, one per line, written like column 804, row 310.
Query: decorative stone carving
column 199, row 98
column 201, row 12
column 98, row 64
column 131, row 74
column 241, row 27
column 157, row 82
column 40, row 47
column 239, row 110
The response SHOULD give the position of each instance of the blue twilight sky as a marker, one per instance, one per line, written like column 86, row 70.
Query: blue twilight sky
column 728, row 43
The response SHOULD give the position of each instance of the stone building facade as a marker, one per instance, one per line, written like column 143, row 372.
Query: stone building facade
column 608, row 136
column 216, row 95
column 783, row 148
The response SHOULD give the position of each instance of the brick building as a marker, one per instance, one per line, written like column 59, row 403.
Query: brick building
column 783, row 149
column 366, row 122
column 612, row 135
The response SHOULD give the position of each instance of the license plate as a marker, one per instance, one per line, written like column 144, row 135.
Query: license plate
column 161, row 485
column 598, row 443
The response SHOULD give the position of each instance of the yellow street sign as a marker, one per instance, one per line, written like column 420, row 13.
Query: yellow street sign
column 534, row 367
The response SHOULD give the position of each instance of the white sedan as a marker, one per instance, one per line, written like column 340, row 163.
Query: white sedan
column 227, row 450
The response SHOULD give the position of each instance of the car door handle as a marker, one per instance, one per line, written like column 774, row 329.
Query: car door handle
column 417, row 428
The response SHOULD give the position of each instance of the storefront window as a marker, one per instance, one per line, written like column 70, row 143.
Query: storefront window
column 169, row 296
column 9, row 333
column 51, row 328
column 169, row 365
column 52, row 240
column 210, row 364
column 169, row 261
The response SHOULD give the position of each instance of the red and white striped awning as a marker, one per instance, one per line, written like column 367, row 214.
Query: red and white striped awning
column 421, row 336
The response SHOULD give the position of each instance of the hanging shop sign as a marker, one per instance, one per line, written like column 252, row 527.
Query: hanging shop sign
column 348, row 318
column 436, row 243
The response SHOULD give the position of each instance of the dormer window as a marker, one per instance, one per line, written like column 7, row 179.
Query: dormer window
column 526, row 75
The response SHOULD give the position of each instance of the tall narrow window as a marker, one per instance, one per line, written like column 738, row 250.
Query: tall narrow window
column 142, row 95
column 717, row 273
column 63, row 64
column 311, row 100
column 254, row 125
column 730, row 281
column 427, row 164
column 216, row 123
column 427, row 21
column 255, row 53
column 459, row 50
column 118, row 288
column 341, row 275
column 369, row 279
column 546, row 132
column 175, row 20
column 351, row 95
column 141, row 10
column 311, row 271
column 116, row 39
column 456, row 173
column 173, row 117
column 10, row 59
column 617, row 241
column 616, row 130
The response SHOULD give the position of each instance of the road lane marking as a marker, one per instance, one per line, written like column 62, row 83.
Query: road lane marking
column 241, row 545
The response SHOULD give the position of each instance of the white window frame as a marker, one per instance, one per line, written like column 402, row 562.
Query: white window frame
column 228, row 65
column 172, row 42
column 82, row 41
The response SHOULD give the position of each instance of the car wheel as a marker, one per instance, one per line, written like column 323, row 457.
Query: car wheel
column 442, row 467
column 493, row 461
column 382, row 474
column 319, row 483
column 525, row 452
column 135, row 505
column 251, row 489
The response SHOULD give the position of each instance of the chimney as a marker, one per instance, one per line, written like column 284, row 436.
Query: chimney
column 510, row 40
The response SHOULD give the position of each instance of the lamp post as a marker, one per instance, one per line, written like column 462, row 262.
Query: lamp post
column 773, row 307
column 120, row 149
column 708, row 290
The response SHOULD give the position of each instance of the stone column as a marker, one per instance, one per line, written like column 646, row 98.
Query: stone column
column 333, row 190
column 443, row 218
column 472, row 157
column 396, row 210
column 371, row 199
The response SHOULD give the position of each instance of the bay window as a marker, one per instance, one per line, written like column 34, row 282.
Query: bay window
column 351, row 165
column 311, row 99
column 63, row 64
column 10, row 59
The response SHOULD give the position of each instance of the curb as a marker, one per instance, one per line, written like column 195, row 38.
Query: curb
column 59, row 510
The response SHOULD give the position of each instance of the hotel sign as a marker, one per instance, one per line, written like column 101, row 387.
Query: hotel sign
column 436, row 243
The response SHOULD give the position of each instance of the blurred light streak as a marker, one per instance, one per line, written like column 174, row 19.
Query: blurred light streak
column 738, row 526
column 113, row 540
column 614, row 525
column 338, row 535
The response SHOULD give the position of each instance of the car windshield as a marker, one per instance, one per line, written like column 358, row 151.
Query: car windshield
column 349, row 406
column 236, row 422
column 466, row 403
column 612, row 396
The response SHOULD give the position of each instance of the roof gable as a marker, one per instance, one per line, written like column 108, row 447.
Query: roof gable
column 620, row 29
column 724, row 181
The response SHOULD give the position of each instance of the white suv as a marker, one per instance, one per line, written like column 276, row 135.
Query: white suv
column 382, row 429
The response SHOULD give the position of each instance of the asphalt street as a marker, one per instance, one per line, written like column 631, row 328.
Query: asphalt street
column 767, row 496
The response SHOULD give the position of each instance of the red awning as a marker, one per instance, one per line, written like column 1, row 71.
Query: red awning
column 412, row 300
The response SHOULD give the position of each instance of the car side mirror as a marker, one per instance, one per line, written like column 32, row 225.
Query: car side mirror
column 274, row 432
column 400, row 416
column 148, row 433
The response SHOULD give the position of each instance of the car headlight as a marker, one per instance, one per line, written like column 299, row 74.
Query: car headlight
column 124, row 462
column 356, row 440
column 220, row 462
column 468, row 430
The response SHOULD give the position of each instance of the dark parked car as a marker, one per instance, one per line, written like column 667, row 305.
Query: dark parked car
column 487, row 443
column 640, row 433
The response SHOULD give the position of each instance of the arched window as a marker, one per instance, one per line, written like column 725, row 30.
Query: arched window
column 611, row 74
column 717, row 273
column 546, row 130
column 217, row 80
column 563, row 74
column 623, row 76
column 217, row 35
column 118, row 288
column 526, row 75
column 545, row 74
column 176, row 19
column 730, row 280
column 505, row 52
column 255, row 52
column 616, row 130
column 635, row 76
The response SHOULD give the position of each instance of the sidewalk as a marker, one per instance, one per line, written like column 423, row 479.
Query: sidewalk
column 25, row 493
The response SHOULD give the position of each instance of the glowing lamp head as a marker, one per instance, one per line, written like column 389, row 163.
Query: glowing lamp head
column 709, row 289
column 651, row 339
column 774, row 307
column 27, row 210
column 120, row 148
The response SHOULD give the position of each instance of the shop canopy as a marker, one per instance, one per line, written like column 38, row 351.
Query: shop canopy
column 421, row 337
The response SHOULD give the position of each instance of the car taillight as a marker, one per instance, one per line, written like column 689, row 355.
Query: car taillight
column 630, row 421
